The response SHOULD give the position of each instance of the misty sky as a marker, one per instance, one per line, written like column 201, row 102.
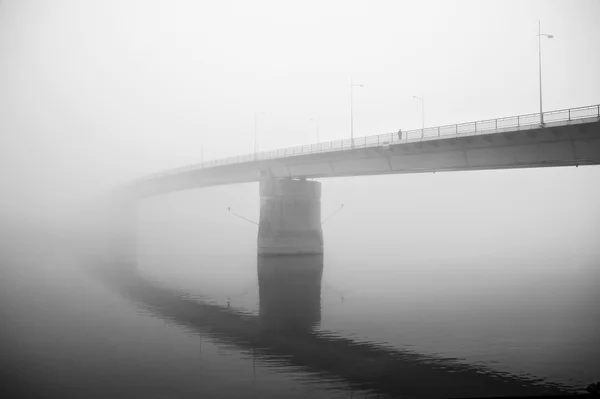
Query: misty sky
column 95, row 93
column 98, row 92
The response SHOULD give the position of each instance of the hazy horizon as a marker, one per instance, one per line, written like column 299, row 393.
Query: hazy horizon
column 95, row 94
column 497, row 267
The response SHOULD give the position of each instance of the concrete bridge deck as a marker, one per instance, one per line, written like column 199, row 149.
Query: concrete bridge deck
column 568, row 138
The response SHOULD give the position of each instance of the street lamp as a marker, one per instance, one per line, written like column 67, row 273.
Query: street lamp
column 317, row 124
column 352, row 86
column 539, row 35
column 255, row 132
column 422, row 98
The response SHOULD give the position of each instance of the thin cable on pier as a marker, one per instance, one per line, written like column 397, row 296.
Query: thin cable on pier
column 334, row 213
column 240, row 216
column 253, row 222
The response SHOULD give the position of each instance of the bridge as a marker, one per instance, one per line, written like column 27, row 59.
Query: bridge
column 290, row 215
column 568, row 137
column 290, row 227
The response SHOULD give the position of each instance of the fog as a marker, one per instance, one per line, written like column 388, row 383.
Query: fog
column 95, row 94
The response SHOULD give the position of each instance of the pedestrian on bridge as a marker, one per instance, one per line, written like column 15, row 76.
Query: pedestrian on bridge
column 400, row 134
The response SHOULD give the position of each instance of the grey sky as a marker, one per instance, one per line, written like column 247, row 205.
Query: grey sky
column 96, row 92
column 99, row 92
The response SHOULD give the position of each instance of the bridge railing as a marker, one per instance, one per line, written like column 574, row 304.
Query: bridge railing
column 511, row 123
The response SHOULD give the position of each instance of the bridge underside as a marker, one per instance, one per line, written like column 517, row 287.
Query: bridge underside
column 576, row 143
column 560, row 146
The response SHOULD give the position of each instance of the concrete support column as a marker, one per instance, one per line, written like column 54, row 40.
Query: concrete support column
column 290, row 217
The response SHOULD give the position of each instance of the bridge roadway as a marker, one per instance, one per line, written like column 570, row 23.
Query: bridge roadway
column 569, row 137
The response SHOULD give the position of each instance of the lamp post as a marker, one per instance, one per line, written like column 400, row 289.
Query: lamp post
column 539, row 35
column 422, row 98
column 352, row 86
column 317, row 125
column 255, row 132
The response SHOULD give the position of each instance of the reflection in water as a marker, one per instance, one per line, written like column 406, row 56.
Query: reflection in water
column 282, row 335
column 290, row 291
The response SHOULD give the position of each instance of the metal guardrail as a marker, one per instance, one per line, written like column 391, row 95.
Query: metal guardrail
column 489, row 126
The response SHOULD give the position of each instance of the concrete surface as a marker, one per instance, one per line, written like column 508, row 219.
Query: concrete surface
column 290, row 217
column 556, row 144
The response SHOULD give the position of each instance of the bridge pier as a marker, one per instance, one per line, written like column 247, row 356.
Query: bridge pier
column 290, row 217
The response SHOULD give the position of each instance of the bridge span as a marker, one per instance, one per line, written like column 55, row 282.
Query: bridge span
column 290, row 215
column 568, row 137
column 290, row 224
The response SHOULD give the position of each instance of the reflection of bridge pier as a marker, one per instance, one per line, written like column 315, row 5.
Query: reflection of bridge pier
column 290, row 291
column 368, row 366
